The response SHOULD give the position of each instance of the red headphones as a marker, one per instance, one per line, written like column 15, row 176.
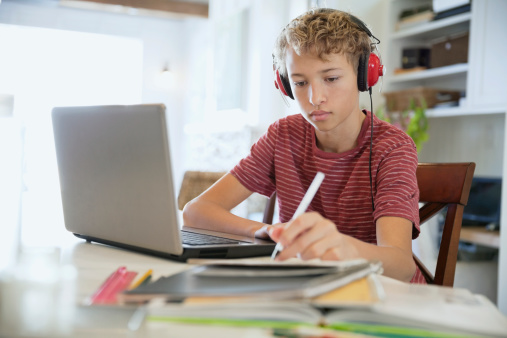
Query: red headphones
column 368, row 71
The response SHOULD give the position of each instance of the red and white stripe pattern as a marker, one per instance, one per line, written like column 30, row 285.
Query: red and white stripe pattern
column 286, row 159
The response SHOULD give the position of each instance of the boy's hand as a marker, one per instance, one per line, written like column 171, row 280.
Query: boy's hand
column 265, row 231
column 313, row 236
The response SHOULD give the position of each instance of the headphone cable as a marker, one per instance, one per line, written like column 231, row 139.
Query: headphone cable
column 371, row 146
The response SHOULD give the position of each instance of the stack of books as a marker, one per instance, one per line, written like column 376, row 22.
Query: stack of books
column 305, row 298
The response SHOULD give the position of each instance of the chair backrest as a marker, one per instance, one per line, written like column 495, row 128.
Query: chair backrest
column 444, row 185
column 194, row 183
column 440, row 185
column 269, row 211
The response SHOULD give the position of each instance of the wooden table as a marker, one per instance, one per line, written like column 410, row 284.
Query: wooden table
column 480, row 235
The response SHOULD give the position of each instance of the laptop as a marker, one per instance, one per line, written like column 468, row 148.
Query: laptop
column 117, row 187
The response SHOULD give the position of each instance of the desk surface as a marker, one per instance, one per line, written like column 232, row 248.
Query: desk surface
column 480, row 235
column 95, row 262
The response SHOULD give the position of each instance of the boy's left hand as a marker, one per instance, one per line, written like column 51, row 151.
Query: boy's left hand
column 312, row 236
column 265, row 231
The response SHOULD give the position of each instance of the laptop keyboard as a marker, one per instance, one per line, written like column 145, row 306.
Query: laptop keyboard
column 191, row 238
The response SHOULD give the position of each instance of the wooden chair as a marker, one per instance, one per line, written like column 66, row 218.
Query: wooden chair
column 194, row 183
column 441, row 185
column 269, row 211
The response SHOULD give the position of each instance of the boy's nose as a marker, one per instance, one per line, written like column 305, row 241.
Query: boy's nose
column 317, row 96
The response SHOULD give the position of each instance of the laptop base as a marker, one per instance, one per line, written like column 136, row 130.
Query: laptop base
column 209, row 252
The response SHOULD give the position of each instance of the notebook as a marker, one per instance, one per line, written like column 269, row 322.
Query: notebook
column 117, row 187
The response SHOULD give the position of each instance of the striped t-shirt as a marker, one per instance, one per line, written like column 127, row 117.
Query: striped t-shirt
column 286, row 158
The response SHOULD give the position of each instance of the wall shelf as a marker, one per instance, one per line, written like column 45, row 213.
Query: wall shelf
column 436, row 29
column 464, row 111
column 430, row 73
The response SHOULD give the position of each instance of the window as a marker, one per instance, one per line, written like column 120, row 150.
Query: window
column 230, row 55
column 44, row 68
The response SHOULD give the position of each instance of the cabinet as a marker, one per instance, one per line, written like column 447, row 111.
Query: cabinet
column 475, row 130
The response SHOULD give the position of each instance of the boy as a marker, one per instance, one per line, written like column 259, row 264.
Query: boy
column 319, row 54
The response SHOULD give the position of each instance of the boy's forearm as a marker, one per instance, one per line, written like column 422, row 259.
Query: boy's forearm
column 206, row 215
column 396, row 263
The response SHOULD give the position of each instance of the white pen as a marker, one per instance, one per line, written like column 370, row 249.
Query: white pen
column 305, row 202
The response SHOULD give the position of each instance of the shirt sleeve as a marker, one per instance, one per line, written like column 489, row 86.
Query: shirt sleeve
column 256, row 170
column 397, row 192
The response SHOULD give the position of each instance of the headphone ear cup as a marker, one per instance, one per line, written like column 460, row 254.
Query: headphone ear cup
column 283, row 84
column 279, row 83
column 362, row 72
column 375, row 70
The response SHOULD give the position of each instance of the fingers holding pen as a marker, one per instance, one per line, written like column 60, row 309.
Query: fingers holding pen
column 303, row 235
column 297, row 226
column 303, row 205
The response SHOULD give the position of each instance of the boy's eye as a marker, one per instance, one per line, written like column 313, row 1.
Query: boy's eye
column 299, row 83
column 332, row 79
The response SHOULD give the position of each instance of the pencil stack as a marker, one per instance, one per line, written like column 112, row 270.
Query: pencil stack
column 119, row 281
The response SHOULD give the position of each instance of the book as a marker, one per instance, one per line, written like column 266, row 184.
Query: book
column 363, row 292
column 453, row 11
column 415, row 17
column 261, row 279
column 265, row 266
column 445, row 5
column 291, row 315
column 411, row 311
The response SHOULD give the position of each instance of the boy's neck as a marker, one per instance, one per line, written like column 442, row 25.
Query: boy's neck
column 342, row 140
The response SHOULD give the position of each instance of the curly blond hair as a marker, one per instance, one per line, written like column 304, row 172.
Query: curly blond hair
column 322, row 32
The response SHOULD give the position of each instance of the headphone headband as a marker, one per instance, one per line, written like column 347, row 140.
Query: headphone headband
column 370, row 67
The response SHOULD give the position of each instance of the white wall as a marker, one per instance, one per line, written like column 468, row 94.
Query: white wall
column 478, row 138
column 164, row 41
